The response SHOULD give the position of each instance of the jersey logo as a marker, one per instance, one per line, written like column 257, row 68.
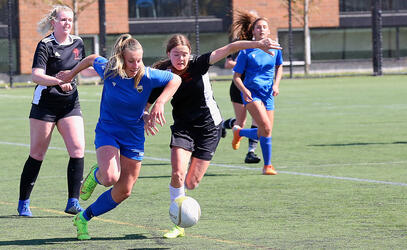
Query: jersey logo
column 57, row 54
column 114, row 84
column 139, row 88
column 76, row 53
column 253, row 55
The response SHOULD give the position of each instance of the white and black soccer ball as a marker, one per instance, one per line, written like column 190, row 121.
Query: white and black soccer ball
column 185, row 211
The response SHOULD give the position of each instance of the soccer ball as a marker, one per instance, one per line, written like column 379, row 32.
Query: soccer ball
column 185, row 211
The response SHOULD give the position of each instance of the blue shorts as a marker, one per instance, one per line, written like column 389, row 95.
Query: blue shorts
column 266, row 98
column 130, row 142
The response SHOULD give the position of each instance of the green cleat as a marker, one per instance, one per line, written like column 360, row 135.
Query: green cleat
column 175, row 232
column 89, row 184
column 81, row 227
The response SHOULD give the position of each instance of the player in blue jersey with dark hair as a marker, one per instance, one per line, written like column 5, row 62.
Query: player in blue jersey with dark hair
column 263, row 72
column 119, row 136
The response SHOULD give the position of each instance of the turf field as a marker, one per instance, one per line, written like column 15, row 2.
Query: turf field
column 339, row 145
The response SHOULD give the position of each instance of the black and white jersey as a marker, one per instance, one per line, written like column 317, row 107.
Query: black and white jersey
column 194, row 102
column 54, row 57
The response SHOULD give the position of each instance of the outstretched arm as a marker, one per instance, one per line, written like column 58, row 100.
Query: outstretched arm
column 264, row 44
column 68, row 75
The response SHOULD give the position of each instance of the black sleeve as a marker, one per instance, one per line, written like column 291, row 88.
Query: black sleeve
column 40, row 56
column 155, row 94
column 200, row 65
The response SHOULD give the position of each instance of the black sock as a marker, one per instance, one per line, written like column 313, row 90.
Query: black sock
column 28, row 177
column 229, row 123
column 75, row 175
column 252, row 143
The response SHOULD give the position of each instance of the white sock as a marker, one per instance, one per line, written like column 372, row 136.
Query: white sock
column 176, row 192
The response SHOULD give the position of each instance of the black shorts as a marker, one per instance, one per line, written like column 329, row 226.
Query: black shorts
column 201, row 141
column 235, row 95
column 56, row 112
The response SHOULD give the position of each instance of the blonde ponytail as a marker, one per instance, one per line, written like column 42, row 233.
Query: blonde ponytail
column 115, row 65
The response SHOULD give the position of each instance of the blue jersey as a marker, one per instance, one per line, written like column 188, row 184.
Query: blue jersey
column 258, row 67
column 121, row 109
column 121, row 102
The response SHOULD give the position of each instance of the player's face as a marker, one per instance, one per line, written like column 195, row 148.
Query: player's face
column 261, row 30
column 179, row 57
column 63, row 23
column 133, row 60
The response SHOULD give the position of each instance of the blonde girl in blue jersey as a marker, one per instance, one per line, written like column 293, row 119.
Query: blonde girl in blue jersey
column 263, row 72
column 119, row 138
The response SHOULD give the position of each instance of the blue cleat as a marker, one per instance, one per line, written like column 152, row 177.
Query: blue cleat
column 73, row 207
column 24, row 208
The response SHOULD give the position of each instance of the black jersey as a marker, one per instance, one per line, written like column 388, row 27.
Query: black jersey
column 194, row 102
column 54, row 57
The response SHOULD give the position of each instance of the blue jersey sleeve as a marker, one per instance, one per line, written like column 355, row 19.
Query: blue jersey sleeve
column 279, row 58
column 100, row 65
column 158, row 77
column 241, row 62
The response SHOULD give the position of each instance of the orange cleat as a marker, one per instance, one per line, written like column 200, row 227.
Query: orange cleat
column 236, row 137
column 269, row 170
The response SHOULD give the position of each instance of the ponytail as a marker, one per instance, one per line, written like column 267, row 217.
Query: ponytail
column 115, row 65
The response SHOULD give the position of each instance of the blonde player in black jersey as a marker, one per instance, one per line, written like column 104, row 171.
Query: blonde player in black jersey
column 197, row 121
column 55, row 103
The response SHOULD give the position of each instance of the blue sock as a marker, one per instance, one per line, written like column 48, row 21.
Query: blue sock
column 102, row 205
column 250, row 133
column 265, row 144
column 94, row 175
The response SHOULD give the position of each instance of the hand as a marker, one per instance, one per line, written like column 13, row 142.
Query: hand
column 149, row 130
column 65, row 76
column 267, row 43
column 66, row 87
column 276, row 91
column 157, row 115
column 247, row 96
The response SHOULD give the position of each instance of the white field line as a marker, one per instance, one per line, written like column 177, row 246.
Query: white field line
column 256, row 169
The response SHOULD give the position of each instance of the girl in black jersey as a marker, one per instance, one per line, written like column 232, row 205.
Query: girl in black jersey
column 55, row 103
column 197, row 125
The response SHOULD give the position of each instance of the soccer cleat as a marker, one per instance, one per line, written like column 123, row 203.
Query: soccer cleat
column 73, row 207
column 81, row 227
column 89, row 184
column 175, row 232
column 269, row 170
column 24, row 208
column 236, row 137
column 251, row 157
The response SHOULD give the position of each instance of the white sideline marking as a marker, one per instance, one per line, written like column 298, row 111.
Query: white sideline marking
column 247, row 168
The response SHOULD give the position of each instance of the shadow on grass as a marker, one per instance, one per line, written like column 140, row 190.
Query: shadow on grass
column 155, row 164
column 357, row 144
column 14, row 216
column 39, row 242
column 169, row 176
